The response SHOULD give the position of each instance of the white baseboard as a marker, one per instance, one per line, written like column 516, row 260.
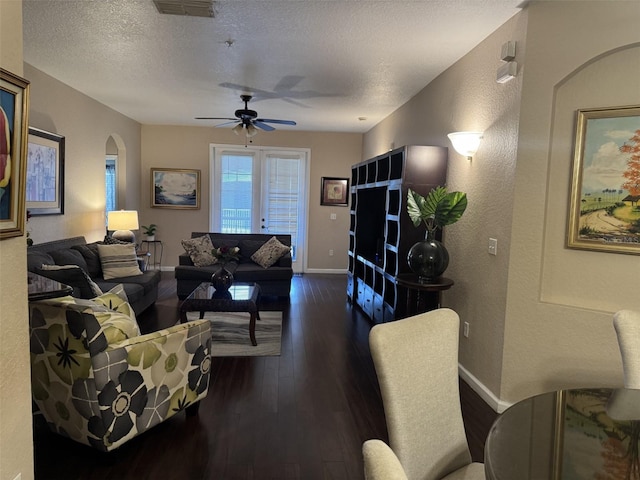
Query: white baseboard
column 487, row 395
column 332, row 271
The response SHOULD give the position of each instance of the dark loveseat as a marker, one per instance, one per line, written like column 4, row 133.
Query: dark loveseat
column 141, row 290
column 275, row 280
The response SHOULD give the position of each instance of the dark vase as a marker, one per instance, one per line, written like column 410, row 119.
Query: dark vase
column 222, row 279
column 428, row 259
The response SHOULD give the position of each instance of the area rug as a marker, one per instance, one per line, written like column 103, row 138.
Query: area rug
column 230, row 334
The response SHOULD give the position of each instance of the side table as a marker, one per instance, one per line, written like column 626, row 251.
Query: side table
column 155, row 249
column 422, row 297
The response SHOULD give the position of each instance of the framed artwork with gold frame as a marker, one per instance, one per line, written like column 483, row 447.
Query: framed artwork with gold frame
column 604, row 213
column 14, row 112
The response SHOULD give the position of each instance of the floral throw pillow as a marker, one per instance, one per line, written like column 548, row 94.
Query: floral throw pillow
column 270, row 252
column 200, row 251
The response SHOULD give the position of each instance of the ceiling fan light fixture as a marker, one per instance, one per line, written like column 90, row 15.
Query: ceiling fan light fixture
column 237, row 129
column 251, row 130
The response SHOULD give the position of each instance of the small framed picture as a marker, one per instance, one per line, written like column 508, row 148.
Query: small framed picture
column 45, row 173
column 605, row 189
column 335, row 191
column 175, row 188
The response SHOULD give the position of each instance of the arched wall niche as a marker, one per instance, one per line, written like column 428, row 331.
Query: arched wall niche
column 115, row 146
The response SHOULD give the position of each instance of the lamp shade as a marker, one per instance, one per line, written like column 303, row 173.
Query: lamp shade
column 466, row 143
column 123, row 221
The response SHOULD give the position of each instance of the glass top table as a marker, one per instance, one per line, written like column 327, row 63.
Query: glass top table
column 569, row 435
column 240, row 297
column 43, row 288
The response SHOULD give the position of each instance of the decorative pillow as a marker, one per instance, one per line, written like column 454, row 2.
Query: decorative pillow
column 116, row 300
column 248, row 248
column 117, row 324
column 109, row 240
column 200, row 251
column 119, row 261
column 74, row 276
column 270, row 252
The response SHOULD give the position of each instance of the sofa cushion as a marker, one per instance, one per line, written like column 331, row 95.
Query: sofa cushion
column 36, row 259
column 250, row 272
column 200, row 251
column 116, row 325
column 74, row 276
column 69, row 256
column 118, row 261
column 270, row 252
column 92, row 257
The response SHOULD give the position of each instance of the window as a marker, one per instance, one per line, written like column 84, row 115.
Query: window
column 111, row 184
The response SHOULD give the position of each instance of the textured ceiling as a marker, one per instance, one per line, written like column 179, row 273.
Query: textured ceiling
column 322, row 63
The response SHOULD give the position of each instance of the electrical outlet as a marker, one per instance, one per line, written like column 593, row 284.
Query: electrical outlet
column 333, row 216
column 493, row 246
column 465, row 329
column 331, row 252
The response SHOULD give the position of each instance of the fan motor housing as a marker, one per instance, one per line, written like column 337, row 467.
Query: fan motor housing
column 242, row 113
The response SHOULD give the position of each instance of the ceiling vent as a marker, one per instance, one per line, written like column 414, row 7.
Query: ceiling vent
column 192, row 8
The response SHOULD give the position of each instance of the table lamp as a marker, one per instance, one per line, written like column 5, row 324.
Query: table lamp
column 123, row 221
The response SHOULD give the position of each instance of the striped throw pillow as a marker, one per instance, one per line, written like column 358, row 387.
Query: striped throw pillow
column 118, row 261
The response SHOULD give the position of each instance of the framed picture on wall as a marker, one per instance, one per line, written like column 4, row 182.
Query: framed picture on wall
column 604, row 213
column 45, row 173
column 14, row 111
column 334, row 191
column 175, row 188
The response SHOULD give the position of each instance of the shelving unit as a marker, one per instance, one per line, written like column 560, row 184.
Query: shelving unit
column 381, row 232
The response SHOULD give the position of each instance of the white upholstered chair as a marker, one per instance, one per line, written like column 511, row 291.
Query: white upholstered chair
column 416, row 361
column 627, row 326
column 380, row 463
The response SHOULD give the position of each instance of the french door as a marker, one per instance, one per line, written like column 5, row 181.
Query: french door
column 260, row 190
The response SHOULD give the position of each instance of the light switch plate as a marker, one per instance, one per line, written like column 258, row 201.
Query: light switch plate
column 493, row 246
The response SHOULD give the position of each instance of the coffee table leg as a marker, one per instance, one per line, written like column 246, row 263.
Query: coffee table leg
column 252, row 329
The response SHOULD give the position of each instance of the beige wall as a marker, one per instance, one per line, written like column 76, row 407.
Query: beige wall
column 467, row 97
column 540, row 314
column 558, row 329
column 16, row 445
column 332, row 155
column 90, row 130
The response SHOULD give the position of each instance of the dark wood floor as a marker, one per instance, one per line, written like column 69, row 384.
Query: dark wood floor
column 302, row 415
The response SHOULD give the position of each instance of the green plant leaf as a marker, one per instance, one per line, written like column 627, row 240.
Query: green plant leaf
column 416, row 208
column 451, row 208
column 437, row 209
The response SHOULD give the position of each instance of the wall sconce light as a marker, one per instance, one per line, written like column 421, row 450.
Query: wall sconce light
column 466, row 143
column 123, row 221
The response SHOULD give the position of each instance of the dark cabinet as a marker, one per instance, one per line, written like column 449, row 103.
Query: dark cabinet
column 381, row 232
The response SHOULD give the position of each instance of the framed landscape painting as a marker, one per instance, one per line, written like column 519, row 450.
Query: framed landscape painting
column 14, row 110
column 175, row 188
column 45, row 173
column 605, row 190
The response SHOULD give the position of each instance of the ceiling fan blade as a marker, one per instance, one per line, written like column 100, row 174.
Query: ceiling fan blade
column 214, row 118
column 281, row 122
column 232, row 122
column 263, row 126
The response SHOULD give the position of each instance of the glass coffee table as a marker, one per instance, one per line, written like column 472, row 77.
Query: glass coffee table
column 241, row 297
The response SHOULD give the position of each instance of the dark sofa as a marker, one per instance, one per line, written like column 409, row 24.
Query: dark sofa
column 275, row 280
column 141, row 290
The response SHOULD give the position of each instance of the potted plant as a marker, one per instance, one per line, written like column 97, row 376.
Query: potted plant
column 150, row 231
column 429, row 258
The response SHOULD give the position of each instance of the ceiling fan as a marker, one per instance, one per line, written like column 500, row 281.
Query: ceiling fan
column 248, row 119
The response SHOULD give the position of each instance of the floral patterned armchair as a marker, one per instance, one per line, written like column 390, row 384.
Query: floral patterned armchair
column 96, row 380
